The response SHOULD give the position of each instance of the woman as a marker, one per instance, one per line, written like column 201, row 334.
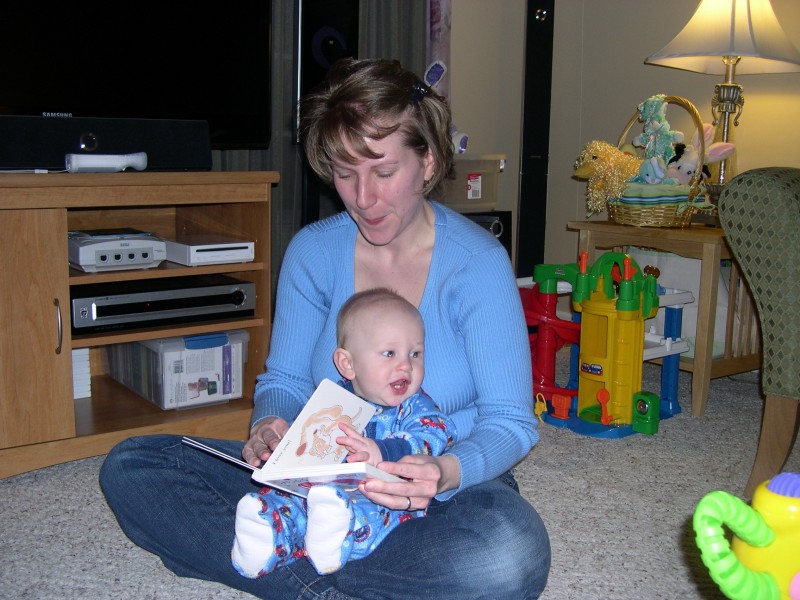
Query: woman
column 381, row 137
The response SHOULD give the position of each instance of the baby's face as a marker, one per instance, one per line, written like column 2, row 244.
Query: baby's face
column 387, row 357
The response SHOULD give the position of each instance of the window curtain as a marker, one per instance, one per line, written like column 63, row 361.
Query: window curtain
column 387, row 29
column 283, row 154
column 394, row 29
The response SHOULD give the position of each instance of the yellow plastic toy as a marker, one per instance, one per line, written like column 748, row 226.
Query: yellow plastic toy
column 763, row 560
column 612, row 337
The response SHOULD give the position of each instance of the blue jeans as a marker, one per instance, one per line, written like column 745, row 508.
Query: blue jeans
column 180, row 503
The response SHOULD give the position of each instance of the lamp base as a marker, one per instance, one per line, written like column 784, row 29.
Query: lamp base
column 710, row 217
column 713, row 190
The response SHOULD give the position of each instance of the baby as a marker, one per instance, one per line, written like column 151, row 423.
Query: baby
column 381, row 342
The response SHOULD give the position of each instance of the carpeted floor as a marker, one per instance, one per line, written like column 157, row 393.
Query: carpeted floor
column 618, row 511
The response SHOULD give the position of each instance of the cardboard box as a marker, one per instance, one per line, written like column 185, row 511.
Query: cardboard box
column 474, row 187
column 81, row 374
column 182, row 372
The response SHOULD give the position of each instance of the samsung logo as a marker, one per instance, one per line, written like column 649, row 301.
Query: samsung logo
column 57, row 114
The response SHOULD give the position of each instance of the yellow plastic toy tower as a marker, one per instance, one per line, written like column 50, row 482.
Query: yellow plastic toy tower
column 612, row 336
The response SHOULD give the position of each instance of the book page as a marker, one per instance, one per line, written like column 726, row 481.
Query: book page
column 298, row 481
column 308, row 455
column 311, row 440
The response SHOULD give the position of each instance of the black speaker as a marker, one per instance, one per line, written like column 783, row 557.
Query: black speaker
column 328, row 32
column 496, row 222
column 42, row 142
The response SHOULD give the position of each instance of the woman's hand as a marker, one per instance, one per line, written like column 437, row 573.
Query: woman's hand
column 426, row 476
column 264, row 438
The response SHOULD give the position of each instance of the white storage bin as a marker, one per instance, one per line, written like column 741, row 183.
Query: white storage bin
column 182, row 372
column 474, row 188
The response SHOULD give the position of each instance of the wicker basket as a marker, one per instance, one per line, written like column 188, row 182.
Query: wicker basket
column 677, row 207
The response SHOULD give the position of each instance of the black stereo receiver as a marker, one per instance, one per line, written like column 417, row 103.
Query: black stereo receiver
column 151, row 302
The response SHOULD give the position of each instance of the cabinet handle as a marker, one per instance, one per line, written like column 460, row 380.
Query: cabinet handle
column 59, row 328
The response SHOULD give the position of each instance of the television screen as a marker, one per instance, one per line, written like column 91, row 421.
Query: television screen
column 158, row 60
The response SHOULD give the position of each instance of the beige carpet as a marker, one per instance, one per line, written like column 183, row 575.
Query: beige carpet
column 618, row 511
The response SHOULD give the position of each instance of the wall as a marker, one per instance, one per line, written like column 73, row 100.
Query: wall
column 599, row 77
column 487, row 50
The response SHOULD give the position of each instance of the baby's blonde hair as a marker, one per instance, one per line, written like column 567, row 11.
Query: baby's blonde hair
column 374, row 298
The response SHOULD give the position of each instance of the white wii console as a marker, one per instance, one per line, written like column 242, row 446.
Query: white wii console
column 114, row 250
column 193, row 250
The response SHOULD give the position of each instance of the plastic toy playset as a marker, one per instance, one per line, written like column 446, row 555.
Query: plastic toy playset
column 763, row 558
column 611, row 302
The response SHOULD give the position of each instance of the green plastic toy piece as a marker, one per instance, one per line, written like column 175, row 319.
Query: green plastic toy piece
column 735, row 580
column 548, row 276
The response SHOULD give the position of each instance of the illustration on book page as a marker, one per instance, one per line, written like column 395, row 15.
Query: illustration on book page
column 312, row 437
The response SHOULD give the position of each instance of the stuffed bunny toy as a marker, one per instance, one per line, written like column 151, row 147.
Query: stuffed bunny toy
column 686, row 161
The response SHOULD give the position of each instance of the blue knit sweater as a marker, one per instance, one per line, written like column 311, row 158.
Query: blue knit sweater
column 477, row 357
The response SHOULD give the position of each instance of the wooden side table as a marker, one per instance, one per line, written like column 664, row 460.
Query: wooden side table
column 708, row 244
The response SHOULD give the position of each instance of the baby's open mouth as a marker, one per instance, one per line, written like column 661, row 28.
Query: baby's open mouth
column 400, row 386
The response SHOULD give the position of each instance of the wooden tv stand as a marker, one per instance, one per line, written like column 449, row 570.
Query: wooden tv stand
column 40, row 423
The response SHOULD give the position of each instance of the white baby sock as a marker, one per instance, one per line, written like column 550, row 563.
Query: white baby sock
column 253, row 545
column 330, row 519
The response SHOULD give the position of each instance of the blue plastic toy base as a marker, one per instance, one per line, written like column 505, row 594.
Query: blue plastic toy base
column 598, row 430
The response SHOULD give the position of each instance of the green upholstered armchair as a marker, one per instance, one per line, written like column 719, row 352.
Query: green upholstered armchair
column 760, row 213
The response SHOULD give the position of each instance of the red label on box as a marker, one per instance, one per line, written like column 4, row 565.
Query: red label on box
column 473, row 186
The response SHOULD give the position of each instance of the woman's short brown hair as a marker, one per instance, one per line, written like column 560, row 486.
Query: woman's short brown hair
column 372, row 99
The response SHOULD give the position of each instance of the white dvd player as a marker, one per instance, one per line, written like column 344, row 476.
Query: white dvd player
column 194, row 250
column 99, row 250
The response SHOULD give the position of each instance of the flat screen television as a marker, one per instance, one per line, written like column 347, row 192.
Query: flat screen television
column 151, row 60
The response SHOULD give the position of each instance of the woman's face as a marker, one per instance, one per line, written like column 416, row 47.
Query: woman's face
column 383, row 195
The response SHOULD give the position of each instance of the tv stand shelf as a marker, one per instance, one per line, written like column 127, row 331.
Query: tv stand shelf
column 40, row 423
column 165, row 269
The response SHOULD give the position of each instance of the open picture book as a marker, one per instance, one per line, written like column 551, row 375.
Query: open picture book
column 308, row 454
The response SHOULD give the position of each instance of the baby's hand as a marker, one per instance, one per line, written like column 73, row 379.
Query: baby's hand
column 359, row 447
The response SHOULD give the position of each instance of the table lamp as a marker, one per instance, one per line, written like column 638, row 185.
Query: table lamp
column 721, row 38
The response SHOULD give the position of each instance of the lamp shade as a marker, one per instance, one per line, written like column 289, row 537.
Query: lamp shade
column 718, row 28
